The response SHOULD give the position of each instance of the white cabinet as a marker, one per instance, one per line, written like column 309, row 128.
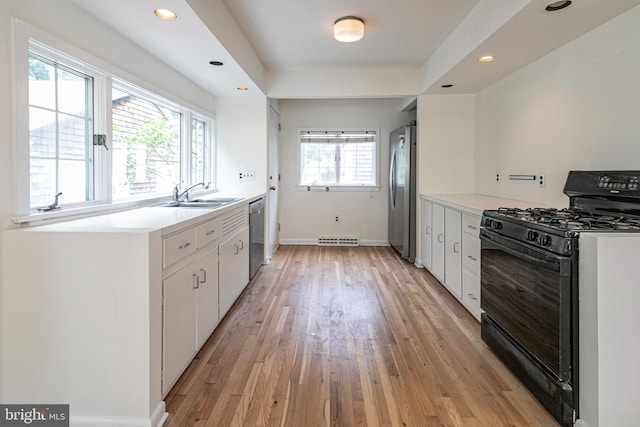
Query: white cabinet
column 234, row 268
column 453, row 252
column 190, row 296
column 190, row 314
column 471, row 263
column 206, row 296
column 426, row 235
column 438, row 248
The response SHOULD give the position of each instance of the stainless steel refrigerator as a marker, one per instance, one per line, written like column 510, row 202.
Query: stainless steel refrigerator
column 402, row 191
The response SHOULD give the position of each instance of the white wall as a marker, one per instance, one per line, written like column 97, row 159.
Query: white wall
column 241, row 135
column 304, row 216
column 446, row 141
column 66, row 21
column 576, row 108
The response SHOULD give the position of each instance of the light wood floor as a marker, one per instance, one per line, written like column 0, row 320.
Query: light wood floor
column 327, row 336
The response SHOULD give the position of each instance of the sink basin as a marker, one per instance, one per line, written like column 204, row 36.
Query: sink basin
column 201, row 203
column 217, row 199
column 195, row 204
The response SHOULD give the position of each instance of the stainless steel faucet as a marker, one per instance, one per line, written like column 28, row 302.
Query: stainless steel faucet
column 177, row 195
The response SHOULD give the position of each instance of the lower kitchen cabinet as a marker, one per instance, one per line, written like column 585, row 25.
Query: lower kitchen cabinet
column 438, row 248
column 234, row 268
column 454, row 247
column 190, row 314
column 426, row 236
column 453, row 252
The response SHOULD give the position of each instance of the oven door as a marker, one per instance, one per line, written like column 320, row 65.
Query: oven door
column 526, row 291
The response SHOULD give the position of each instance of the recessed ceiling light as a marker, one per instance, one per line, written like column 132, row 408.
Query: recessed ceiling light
column 166, row 14
column 557, row 5
column 487, row 58
column 448, row 85
column 216, row 63
column 242, row 88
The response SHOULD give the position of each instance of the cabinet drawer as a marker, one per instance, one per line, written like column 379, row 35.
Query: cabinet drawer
column 471, row 254
column 208, row 233
column 471, row 224
column 178, row 246
column 471, row 292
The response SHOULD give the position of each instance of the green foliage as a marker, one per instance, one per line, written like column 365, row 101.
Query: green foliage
column 38, row 70
column 156, row 136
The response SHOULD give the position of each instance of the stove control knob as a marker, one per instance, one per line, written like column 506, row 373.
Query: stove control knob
column 544, row 240
column 495, row 224
column 532, row 235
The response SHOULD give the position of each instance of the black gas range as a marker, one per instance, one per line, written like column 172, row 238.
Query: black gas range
column 553, row 229
column 530, row 286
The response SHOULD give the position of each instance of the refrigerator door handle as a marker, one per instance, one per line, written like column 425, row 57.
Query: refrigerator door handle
column 392, row 182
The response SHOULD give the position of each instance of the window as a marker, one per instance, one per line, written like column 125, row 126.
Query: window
column 60, row 132
column 95, row 137
column 338, row 158
column 146, row 146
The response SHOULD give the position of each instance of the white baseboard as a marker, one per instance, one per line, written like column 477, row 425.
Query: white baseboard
column 157, row 419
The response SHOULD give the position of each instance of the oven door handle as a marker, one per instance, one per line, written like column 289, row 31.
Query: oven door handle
column 551, row 262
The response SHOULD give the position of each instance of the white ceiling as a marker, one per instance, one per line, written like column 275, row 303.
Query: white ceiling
column 256, row 38
column 299, row 34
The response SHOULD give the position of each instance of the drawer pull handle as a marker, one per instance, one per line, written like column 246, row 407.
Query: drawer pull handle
column 455, row 247
column 473, row 227
column 472, row 258
column 184, row 245
column 473, row 297
column 210, row 232
column 196, row 281
column 428, row 230
column 241, row 244
column 235, row 249
column 440, row 237
column 204, row 275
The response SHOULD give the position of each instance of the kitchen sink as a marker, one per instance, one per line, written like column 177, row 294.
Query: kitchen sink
column 201, row 203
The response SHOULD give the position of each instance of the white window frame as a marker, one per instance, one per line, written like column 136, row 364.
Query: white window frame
column 104, row 75
column 339, row 187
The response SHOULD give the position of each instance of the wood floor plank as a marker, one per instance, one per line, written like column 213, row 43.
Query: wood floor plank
column 346, row 337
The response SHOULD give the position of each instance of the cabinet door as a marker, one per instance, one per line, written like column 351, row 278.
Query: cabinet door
column 453, row 251
column 471, row 292
column 179, row 325
column 234, row 269
column 426, row 233
column 206, row 267
column 437, row 254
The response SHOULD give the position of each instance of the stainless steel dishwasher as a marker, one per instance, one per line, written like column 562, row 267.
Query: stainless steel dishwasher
column 256, row 236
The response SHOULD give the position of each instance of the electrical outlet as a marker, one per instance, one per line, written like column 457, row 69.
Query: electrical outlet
column 246, row 175
column 541, row 180
column 337, row 218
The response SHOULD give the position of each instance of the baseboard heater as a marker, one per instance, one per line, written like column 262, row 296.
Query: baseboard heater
column 338, row 241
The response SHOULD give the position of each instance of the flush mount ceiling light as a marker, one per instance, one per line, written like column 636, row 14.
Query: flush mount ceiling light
column 348, row 29
column 241, row 88
column 216, row 63
column 557, row 5
column 166, row 14
column 487, row 58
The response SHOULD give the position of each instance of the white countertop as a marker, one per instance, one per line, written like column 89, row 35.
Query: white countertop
column 474, row 204
column 147, row 219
